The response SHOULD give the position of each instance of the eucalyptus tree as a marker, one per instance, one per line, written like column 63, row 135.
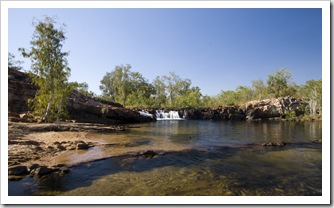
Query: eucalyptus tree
column 244, row 94
column 228, row 97
column 190, row 97
column 126, row 87
column 313, row 95
column 175, row 87
column 50, row 66
column 260, row 90
column 116, row 84
column 278, row 84
column 140, row 91
column 160, row 95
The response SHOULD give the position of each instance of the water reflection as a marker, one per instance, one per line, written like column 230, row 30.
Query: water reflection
column 203, row 158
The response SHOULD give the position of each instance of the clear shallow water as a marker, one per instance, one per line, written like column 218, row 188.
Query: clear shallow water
column 203, row 158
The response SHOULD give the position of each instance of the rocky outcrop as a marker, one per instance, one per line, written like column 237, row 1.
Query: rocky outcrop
column 86, row 109
column 80, row 107
column 256, row 109
column 271, row 108
column 20, row 90
column 221, row 113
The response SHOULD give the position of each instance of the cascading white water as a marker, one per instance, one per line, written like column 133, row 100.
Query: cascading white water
column 146, row 114
column 171, row 115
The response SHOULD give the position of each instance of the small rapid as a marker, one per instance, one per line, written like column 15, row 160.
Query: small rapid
column 171, row 115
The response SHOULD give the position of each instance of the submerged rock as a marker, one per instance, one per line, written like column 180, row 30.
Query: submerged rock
column 274, row 144
column 319, row 141
column 147, row 154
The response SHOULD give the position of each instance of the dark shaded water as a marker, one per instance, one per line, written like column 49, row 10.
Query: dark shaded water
column 203, row 158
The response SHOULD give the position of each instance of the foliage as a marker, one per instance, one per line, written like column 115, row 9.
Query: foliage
column 313, row 92
column 175, row 92
column 278, row 83
column 210, row 101
column 175, row 87
column 50, row 65
column 14, row 64
column 290, row 114
column 126, row 87
column 160, row 95
column 260, row 91
column 82, row 88
column 140, row 91
column 116, row 84
column 172, row 91
column 228, row 98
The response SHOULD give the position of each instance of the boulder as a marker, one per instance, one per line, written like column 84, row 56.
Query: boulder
column 42, row 170
column 32, row 167
column 271, row 108
column 17, row 170
column 82, row 146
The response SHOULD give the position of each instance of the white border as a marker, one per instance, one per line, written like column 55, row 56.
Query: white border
column 165, row 4
column 325, row 199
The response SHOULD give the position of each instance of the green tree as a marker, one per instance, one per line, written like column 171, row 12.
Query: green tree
column 313, row 95
column 244, row 94
column 50, row 65
column 82, row 88
column 228, row 98
column 127, row 87
column 175, row 87
column 260, row 90
column 188, row 97
column 140, row 91
column 116, row 84
column 278, row 83
column 160, row 95
column 210, row 101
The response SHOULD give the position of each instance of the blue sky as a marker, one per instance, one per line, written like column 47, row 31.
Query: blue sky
column 218, row 49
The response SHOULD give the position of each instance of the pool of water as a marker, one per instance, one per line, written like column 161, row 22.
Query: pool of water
column 201, row 158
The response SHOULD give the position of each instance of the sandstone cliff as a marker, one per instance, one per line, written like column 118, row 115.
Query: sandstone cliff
column 80, row 107
column 256, row 109
column 271, row 108
column 222, row 113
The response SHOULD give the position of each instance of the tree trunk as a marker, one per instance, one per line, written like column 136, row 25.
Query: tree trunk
column 48, row 109
column 59, row 108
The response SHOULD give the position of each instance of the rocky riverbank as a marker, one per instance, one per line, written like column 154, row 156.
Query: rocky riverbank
column 33, row 148
column 37, row 150
column 277, row 108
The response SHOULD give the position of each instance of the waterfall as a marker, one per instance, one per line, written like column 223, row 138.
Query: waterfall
column 171, row 115
column 146, row 114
